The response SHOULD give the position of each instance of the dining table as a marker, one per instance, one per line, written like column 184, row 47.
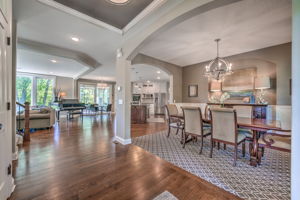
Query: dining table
column 258, row 127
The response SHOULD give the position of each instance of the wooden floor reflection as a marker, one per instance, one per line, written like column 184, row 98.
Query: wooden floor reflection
column 78, row 160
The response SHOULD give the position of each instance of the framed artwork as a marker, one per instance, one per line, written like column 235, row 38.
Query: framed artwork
column 193, row 90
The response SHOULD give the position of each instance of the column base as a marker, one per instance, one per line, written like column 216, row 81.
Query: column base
column 122, row 140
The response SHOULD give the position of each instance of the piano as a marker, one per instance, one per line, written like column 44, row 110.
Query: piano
column 72, row 106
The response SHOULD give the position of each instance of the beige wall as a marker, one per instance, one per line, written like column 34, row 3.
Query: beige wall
column 272, row 61
column 66, row 85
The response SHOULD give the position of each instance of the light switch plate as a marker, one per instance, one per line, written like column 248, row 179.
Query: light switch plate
column 120, row 101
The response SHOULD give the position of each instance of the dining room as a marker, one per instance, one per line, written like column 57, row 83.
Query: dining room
column 232, row 124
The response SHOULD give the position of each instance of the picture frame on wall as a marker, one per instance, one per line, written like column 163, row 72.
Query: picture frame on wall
column 193, row 91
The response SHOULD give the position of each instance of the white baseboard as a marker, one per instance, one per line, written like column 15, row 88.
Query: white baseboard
column 7, row 189
column 15, row 156
column 122, row 141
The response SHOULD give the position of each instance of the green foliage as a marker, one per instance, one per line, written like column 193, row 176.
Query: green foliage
column 44, row 92
column 87, row 95
column 24, row 88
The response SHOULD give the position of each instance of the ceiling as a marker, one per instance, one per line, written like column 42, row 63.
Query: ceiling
column 116, row 15
column 41, row 23
column 142, row 73
column 39, row 63
column 243, row 26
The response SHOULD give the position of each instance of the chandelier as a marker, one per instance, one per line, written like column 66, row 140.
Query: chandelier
column 218, row 68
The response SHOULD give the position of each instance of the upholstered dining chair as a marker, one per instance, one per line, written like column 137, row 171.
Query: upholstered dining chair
column 225, row 130
column 247, row 112
column 173, row 120
column 278, row 140
column 193, row 125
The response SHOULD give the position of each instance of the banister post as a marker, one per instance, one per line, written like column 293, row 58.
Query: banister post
column 26, row 122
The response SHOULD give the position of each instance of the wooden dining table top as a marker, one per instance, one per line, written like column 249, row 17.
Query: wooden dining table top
column 252, row 123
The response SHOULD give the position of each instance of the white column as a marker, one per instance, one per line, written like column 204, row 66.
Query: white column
column 295, row 171
column 123, row 98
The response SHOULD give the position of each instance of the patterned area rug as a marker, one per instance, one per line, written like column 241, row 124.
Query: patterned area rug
column 270, row 180
column 165, row 196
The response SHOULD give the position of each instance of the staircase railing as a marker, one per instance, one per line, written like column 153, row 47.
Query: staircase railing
column 26, row 108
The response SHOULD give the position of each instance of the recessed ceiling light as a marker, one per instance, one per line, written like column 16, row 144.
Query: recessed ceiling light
column 54, row 61
column 75, row 39
column 158, row 77
column 118, row 2
column 158, row 72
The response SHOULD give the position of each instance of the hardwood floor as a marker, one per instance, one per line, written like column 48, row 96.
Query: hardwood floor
column 78, row 160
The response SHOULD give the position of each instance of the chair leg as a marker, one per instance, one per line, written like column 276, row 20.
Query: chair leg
column 263, row 151
column 259, row 154
column 218, row 145
column 224, row 146
column 201, row 147
column 184, row 140
column 211, row 148
column 169, row 130
column 177, row 131
column 244, row 148
column 250, row 148
column 235, row 155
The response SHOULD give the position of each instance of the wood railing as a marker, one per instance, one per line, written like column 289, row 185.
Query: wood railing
column 26, row 106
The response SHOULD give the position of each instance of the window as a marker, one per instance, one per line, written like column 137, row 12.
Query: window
column 38, row 90
column 44, row 91
column 24, row 89
column 87, row 93
column 103, row 95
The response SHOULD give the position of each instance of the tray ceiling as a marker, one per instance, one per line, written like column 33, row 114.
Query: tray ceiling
column 116, row 15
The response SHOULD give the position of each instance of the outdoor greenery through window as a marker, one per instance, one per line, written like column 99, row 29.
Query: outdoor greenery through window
column 95, row 94
column 24, row 89
column 87, row 94
column 37, row 90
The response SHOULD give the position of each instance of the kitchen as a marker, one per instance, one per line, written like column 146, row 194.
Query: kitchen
column 148, row 100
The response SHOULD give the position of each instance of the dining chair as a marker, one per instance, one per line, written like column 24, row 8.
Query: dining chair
column 173, row 119
column 193, row 125
column 246, row 112
column 278, row 140
column 225, row 130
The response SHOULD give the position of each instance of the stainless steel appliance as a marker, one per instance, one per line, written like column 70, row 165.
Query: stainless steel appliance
column 160, row 100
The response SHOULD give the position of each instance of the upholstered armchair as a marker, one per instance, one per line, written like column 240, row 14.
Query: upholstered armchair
column 278, row 140
column 225, row 130
column 193, row 125
column 173, row 118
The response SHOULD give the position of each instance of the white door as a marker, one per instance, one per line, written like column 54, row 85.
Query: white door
column 6, row 180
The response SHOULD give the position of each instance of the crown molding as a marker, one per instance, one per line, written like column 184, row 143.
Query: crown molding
column 77, row 56
column 149, row 9
column 80, row 15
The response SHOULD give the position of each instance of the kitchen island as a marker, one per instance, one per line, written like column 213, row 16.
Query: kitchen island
column 139, row 114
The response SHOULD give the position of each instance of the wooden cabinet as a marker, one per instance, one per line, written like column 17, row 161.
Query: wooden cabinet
column 138, row 114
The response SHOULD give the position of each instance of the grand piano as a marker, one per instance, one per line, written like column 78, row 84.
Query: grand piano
column 72, row 106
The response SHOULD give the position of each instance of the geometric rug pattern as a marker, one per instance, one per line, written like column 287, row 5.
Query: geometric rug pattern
column 165, row 196
column 270, row 180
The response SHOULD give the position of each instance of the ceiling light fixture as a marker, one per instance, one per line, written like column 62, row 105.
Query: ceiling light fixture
column 158, row 72
column 158, row 77
column 118, row 2
column 54, row 61
column 218, row 68
column 75, row 39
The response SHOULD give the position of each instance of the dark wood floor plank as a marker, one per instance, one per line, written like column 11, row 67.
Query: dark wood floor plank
column 77, row 160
